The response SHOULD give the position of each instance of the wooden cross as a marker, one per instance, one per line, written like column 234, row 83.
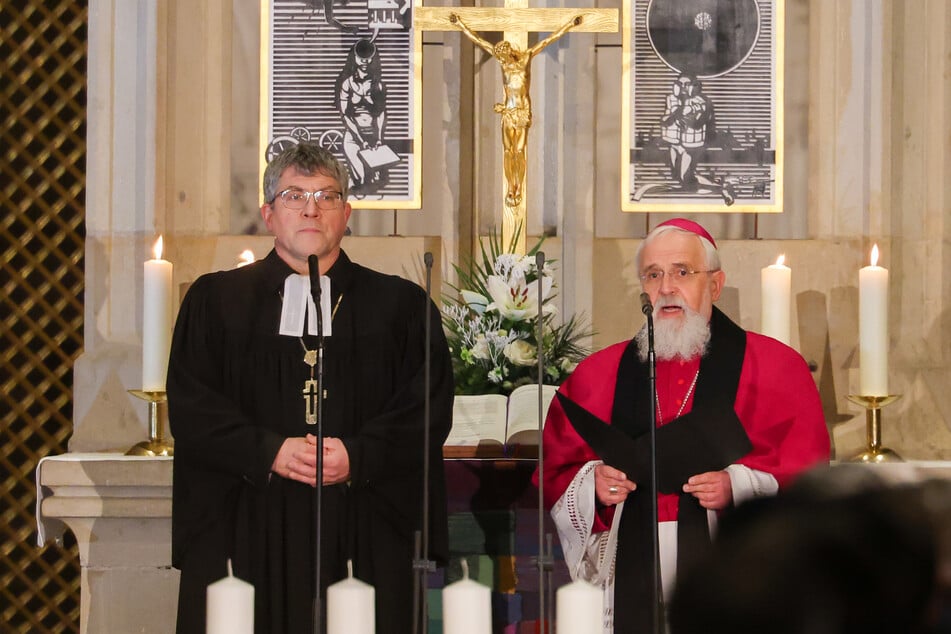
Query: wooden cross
column 515, row 21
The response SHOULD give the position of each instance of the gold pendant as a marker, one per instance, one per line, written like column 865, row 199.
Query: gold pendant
column 310, row 357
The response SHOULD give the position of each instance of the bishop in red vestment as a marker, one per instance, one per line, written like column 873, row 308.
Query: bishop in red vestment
column 737, row 415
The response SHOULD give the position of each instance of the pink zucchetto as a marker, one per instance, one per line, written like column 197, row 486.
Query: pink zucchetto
column 689, row 225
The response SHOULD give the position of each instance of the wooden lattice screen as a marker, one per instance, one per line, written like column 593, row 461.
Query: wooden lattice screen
column 42, row 192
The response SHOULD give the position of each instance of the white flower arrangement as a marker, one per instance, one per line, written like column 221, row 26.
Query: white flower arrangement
column 492, row 326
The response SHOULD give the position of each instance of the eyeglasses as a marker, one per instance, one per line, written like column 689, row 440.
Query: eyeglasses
column 296, row 198
column 677, row 276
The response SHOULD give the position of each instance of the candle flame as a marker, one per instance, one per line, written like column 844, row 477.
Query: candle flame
column 246, row 258
column 157, row 248
column 781, row 259
column 874, row 259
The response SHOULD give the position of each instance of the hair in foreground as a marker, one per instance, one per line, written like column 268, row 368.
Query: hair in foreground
column 832, row 554
column 308, row 159
column 711, row 255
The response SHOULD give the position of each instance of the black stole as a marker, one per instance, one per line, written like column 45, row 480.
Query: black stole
column 708, row 438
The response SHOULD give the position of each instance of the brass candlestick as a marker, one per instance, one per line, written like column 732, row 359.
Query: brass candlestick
column 874, row 452
column 156, row 445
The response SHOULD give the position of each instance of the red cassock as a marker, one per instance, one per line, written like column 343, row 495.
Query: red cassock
column 776, row 402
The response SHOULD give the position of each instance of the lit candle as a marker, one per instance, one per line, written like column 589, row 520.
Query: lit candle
column 246, row 258
column 466, row 606
column 580, row 608
column 775, row 281
column 156, row 320
column 230, row 608
column 350, row 606
column 873, row 328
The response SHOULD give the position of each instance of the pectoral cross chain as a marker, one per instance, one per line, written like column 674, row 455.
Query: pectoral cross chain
column 311, row 388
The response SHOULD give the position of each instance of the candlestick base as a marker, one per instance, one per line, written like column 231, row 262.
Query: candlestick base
column 151, row 449
column 874, row 452
column 157, row 444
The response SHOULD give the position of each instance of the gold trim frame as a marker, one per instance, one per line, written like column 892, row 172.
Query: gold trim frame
column 713, row 142
column 304, row 51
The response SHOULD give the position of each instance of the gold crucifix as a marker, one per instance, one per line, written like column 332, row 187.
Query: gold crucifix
column 515, row 20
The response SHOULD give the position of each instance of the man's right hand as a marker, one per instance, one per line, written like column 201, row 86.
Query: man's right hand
column 297, row 460
column 611, row 486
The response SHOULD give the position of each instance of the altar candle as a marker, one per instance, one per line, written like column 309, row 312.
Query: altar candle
column 466, row 606
column 350, row 606
column 246, row 258
column 776, row 280
column 873, row 328
column 230, row 608
column 580, row 608
column 156, row 320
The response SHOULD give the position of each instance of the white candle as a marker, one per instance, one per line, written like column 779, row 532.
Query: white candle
column 156, row 320
column 246, row 258
column 873, row 328
column 350, row 606
column 230, row 607
column 580, row 608
column 776, row 281
column 466, row 606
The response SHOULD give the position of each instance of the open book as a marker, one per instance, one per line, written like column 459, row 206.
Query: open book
column 493, row 422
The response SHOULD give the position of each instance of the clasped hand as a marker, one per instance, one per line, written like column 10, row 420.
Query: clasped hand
column 713, row 488
column 297, row 460
column 611, row 485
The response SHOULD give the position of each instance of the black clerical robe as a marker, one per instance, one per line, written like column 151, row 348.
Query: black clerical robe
column 235, row 393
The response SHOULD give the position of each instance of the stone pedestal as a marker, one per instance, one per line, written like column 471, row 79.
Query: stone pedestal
column 120, row 510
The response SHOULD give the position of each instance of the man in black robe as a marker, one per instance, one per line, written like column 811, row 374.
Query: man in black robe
column 245, row 455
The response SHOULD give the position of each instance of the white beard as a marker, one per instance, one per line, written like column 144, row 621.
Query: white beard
column 675, row 339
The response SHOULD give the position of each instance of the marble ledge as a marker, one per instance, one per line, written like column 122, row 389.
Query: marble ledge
column 118, row 507
column 105, row 470
column 101, row 492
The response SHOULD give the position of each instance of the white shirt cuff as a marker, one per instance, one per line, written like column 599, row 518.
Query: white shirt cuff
column 749, row 483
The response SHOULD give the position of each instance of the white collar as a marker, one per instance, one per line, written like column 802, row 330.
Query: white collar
column 296, row 297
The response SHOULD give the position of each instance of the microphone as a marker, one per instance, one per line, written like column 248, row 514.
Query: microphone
column 657, row 609
column 314, row 270
column 646, row 306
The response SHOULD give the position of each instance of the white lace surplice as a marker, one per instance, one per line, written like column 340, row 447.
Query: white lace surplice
column 589, row 556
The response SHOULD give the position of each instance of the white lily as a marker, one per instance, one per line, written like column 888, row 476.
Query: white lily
column 517, row 300
column 475, row 301
column 509, row 265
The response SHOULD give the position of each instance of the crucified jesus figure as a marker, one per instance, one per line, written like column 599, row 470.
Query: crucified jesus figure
column 516, row 110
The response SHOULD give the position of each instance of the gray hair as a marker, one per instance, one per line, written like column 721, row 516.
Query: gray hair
column 711, row 255
column 308, row 159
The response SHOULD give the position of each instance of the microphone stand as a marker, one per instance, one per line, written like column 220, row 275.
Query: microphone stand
column 422, row 565
column 545, row 561
column 657, row 609
column 315, row 293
